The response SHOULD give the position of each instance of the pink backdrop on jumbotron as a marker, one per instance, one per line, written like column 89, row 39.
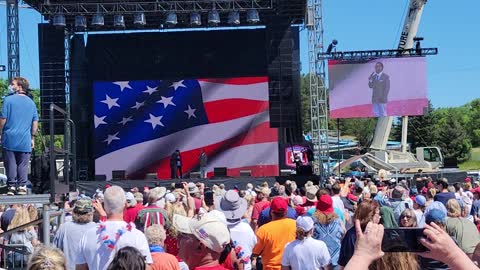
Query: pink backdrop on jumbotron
column 351, row 97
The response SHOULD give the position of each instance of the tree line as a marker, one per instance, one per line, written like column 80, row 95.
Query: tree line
column 455, row 129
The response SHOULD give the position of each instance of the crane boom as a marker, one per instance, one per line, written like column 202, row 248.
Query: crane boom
column 410, row 28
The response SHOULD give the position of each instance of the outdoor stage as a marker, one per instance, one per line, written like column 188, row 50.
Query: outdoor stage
column 230, row 182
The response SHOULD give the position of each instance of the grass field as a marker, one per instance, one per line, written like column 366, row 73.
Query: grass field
column 474, row 162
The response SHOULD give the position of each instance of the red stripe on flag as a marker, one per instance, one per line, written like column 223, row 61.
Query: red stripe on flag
column 229, row 109
column 259, row 134
column 238, row 81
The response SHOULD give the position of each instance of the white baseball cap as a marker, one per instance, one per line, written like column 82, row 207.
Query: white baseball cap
column 208, row 229
column 305, row 223
column 129, row 196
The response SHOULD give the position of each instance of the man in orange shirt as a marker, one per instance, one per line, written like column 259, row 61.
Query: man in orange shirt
column 273, row 236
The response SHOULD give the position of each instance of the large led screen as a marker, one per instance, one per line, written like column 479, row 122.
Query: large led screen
column 377, row 88
column 140, row 124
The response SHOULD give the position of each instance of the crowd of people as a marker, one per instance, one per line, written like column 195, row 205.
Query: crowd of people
column 190, row 226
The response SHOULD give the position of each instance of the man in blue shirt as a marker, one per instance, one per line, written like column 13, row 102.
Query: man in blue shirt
column 18, row 126
column 265, row 216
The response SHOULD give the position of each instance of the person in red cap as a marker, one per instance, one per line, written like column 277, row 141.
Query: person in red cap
column 273, row 236
column 328, row 227
column 475, row 211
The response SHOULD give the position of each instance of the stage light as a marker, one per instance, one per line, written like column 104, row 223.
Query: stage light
column 118, row 21
column 332, row 46
column 195, row 19
column 234, row 18
column 171, row 19
column 418, row 46
column 80, row 22
column 98, row 20
column 213, row 17
column 252, row 16
column 59, row 20
column 139, row 19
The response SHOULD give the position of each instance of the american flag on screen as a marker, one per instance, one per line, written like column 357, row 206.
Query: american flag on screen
column 139, row 124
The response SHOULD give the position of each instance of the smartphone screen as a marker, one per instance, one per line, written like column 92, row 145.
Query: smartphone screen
column 403, row 240
column 178, row 185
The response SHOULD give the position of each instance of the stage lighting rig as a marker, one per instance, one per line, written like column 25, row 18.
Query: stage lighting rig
column 418, row 46
column 234, row 18
column 195, row 19
column 252, row 16
column 332, row 46
column 139, row 20
column 98, row 20
column 118, row 21
column 59, row 20
column 155, row 12
column 171, row 19
column 213, row 17
column 80, row 23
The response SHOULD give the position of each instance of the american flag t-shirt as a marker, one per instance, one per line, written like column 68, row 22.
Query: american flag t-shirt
column 139, row 124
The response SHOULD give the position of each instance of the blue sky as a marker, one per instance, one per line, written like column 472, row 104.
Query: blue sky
column 452, row 75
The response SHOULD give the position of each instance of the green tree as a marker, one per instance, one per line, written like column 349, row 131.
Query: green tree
column 474, row 124
column 305, row 101
column 422, row 129
column 453, row 138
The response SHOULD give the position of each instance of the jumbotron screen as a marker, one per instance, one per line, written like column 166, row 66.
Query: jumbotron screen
column 377, row 88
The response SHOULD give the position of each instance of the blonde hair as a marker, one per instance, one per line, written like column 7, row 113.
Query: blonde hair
column 175, row 209
column 21, row 217
column 301, row 234
column 155, row 235
column 431, row 192
column 324, row 218
column 32, row 212
column 47, row 258
column 453, row 208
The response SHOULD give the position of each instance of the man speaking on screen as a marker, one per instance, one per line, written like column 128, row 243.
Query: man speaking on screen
column 379, row 82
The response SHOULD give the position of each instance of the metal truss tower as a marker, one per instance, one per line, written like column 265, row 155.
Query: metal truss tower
column 318, row 90
column 13, row 44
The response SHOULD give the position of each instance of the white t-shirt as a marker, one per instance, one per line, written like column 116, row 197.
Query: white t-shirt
column 307, row 254
column 243, row 235
column 98, row 256
column 338, row 203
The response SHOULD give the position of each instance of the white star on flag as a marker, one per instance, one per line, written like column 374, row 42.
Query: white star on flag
column 166, row 101
column 191, row 112
column 150, row 90
column 123, row 85
column 111, row 102
column 125, row 120
column 111, row 138
column 99, row 120
column 138, row 105
column 177, row 85
column 155, row 121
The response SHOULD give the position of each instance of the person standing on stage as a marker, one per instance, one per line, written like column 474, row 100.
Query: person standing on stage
column 203, row 164
column 179, row 163
column 18, row 126
column 173, row 165
column 379, row 82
